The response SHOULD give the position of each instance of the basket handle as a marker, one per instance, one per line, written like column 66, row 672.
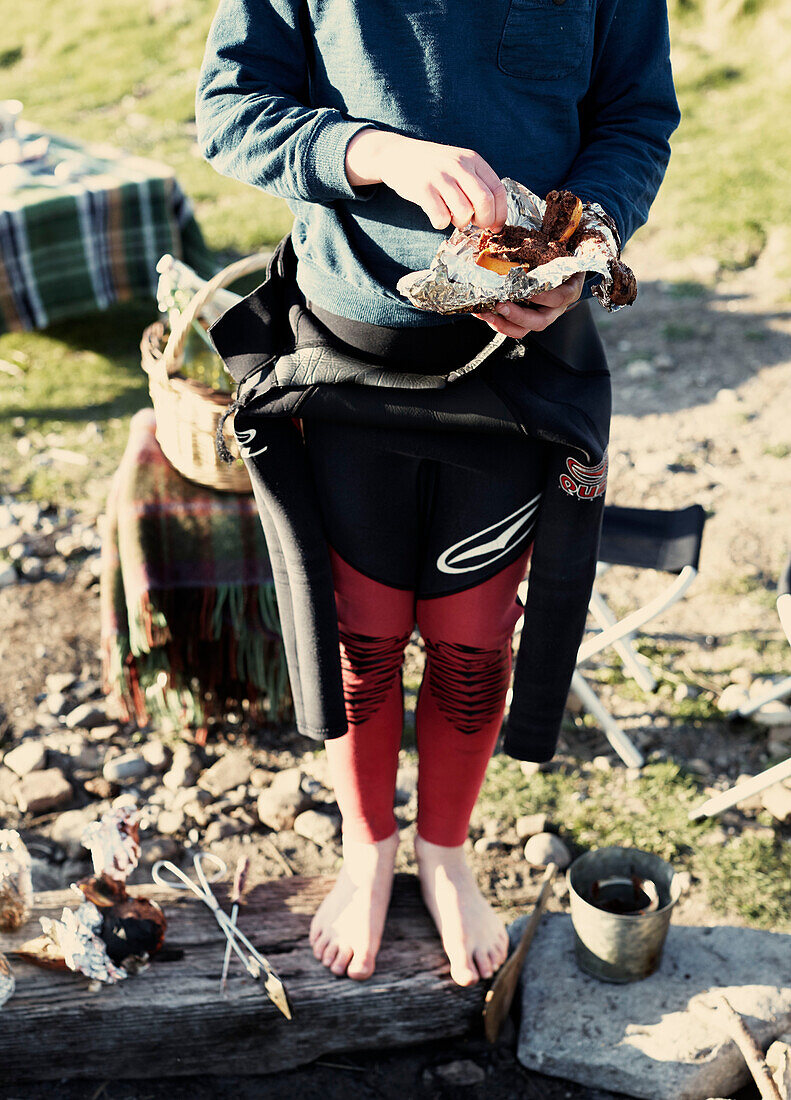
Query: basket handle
column 169, row 362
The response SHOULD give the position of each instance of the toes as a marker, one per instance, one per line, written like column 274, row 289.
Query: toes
column 463, row 971
column 342, row 960
column 361, row 966
column 320, row 944
column 329, row 954
column 483, row 964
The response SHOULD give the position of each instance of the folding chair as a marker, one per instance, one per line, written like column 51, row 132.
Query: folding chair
column 667, row 541
column 778, row 772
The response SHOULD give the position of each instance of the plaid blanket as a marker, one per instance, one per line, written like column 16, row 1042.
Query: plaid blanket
column 90, row 234
column 188, row 613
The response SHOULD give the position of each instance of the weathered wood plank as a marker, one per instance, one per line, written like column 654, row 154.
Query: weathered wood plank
column 170, row 1020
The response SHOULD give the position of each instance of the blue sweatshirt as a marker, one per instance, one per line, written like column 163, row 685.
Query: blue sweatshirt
column 554, row 93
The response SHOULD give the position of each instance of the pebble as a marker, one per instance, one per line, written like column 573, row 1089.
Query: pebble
column 281, row 802
column 103, row 733
column 128, row 798
column 322, row 829
column 223, row 827
column 156, row 755
column 40, row 791
column 186, row 796
column 529, row 768
column 231, row 770
column 56, row 703
column 260, row 777
column 131, row 765
column 30, row 756
column 184, row 770
column 460, row 1073
column 8, row 576
column 86, row 716
column 531, row 825
column 483, row 844
column 546, row 848
column 8, row 782
column 99, row 787
column 59, row 682
column 602, row 764
column 640, row 368
column 777, row 800
column 160, row 847
column 733, row 697
column 68, row 827
column 170, row 821
column 32, row 568
column 684, row 881
column 773, row 714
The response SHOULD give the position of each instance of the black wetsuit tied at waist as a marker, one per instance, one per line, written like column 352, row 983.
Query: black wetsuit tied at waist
column 553, row 388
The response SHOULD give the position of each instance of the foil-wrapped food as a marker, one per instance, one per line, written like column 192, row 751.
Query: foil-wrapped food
column 110, row 935
column 543, row 243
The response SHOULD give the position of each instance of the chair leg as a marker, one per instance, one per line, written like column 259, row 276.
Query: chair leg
column 634, row 662
column 612, row 731
column 757, row 783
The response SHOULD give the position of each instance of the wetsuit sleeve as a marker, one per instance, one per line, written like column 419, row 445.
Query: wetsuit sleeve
column 629, row 113
column 253, row 112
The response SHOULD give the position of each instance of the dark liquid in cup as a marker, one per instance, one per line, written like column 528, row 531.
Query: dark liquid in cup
column 623, row 896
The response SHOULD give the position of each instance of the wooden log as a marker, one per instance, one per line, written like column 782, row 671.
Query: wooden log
column 170, row 1020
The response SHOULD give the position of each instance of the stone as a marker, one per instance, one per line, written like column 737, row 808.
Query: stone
column 59, row 682
column 45, row 790
column 778, row 1059
column 170, row 821
column 56, row 703
column 461, row 1072
column 186, row 796
column 156, row 755
column 184, row 769
column 260, row 777
column 602, row 764
column 545, row 848
column 773, row 714
column 531, row 825
column 322, row 829
column 160, row 847
column 529, row 768
column 30, row 756
column 223, row 827
column 103, row 733
column 484, row 844
column 8, row 785
column 733, row 697
column 99, row 787
column 130, row 765
column 281, row 802
column 232, row 769
column 67, row 828
column 643, row 1039
column 640, row 368
column 777, row 800
column 86, row 716
column 683, row 692
column 8, row 576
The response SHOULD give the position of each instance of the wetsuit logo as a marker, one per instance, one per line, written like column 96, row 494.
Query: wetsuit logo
column 245, row 436
column 487, row 546
column 584, row 482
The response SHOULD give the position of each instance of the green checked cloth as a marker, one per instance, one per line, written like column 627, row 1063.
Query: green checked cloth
column 83, row 228
column 188, row 612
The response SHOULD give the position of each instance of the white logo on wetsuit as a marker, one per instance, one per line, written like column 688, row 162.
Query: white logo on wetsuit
column 503, row 536
column 245, row 437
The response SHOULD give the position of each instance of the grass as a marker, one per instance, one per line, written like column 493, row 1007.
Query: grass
column 746, row 877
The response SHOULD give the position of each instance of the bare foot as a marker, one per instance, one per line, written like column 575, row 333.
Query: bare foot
column 347, row 929
column 474, row 937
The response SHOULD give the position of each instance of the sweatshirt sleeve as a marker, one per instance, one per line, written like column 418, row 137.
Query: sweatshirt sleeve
column 252, row 107
column 628, row 114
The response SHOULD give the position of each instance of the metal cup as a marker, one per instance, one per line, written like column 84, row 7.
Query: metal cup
column 626, row 944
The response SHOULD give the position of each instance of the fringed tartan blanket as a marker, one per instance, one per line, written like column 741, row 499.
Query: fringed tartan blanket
column 188, row 614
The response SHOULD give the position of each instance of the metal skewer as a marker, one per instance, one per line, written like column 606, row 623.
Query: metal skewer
column 236, row 893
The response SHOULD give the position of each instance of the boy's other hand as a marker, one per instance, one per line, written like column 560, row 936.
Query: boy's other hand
column 453, row 186
column 517, row 320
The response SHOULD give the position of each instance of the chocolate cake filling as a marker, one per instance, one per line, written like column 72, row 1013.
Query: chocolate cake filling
column 527, row 247
column 561, row 216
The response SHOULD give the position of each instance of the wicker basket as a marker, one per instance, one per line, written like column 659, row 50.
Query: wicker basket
column 187, row 411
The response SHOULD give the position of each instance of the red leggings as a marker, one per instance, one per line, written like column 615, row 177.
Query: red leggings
column 460, row 705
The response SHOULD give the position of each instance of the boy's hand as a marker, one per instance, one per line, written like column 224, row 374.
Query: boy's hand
column 453, row 186
column 516, row 320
